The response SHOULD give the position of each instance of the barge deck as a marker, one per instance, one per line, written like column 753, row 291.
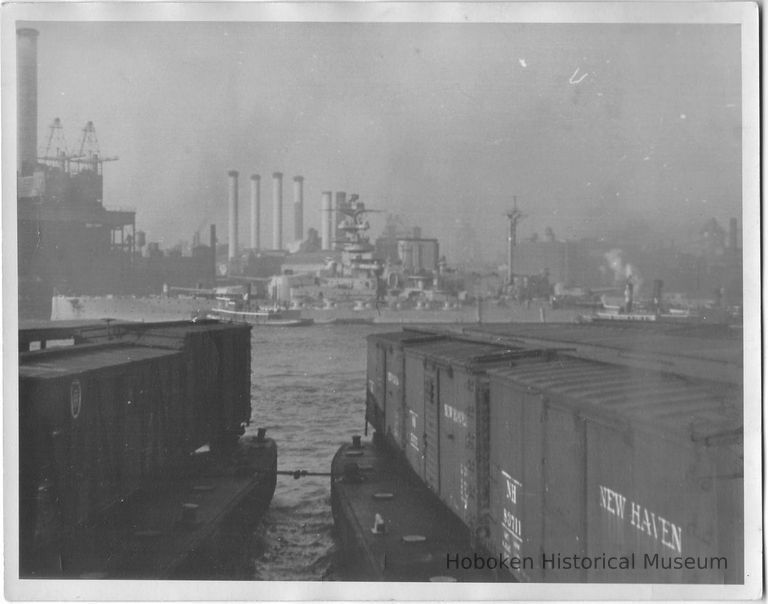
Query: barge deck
column 419, row 534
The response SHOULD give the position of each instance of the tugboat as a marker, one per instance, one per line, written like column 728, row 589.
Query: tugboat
column 238, row 311
column 264, row 317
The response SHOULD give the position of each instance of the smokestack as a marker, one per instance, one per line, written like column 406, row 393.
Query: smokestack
column 255, row 211
column 277, row 210
column 733, row 234
column 26, row 99
column 325, row 220
column 213, row 255
column 657, row 285
column 629, row 294
column 232, row 214
column 341, row 201
column 298, row 208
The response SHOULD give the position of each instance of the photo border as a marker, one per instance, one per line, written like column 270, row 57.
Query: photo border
column 743, row 13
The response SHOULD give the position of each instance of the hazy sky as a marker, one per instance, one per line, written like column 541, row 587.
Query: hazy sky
column 589, row 125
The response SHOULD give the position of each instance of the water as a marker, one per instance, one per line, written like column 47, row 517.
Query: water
column 308, row 390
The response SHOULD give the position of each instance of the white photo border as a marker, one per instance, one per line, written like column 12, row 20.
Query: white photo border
column 744, row 14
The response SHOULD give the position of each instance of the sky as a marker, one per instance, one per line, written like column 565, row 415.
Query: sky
column 591, row 127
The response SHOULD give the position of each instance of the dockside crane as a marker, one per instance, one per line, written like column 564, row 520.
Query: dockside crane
column 57, row 152
column 89, row 156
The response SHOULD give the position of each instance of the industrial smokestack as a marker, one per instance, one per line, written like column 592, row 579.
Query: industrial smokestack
column 277, row 210
column 657, row 299
column 255, row 211
column 298, row 208
column 341, row 201
column 629, row 294
column 733, row 234
column 213, row 255
column 26, row 99
column 233, row 226
column 326, row 216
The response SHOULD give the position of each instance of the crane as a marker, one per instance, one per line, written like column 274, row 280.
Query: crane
column 56, row 150
column 89, row 156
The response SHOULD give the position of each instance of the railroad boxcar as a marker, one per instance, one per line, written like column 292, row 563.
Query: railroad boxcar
column 125, row 406
column 218, row 368
column 447, row 397
column 95, row 421
column 385, row 400
column 604, row 473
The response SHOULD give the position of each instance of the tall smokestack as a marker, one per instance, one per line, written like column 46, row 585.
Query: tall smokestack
column 255, row 211
column 213, row 255
column 733, row 234
column 277, row 210
column 326, row 216
column 510, row 251
column 232, row 214
column 26, row 99
column 341, row 201
column 298, row 208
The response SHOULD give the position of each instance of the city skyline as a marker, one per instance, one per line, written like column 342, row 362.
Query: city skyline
column 590, row 126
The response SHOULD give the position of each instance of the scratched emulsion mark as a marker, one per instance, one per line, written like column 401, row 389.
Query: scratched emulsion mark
column 571, row 80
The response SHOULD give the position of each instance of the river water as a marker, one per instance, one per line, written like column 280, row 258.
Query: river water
column 308, row 390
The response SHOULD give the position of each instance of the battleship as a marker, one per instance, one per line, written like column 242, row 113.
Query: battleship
column 351, row 284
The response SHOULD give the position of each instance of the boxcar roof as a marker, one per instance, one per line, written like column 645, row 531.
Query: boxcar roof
column 703, row 351
column 706, row 342
column 72, row 360
column 172, row 335
column 641, row 396
column 395, row 337
column 461, row 352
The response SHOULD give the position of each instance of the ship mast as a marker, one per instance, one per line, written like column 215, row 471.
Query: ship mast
column 514, row 216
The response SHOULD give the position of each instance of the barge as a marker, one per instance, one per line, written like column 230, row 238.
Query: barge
column 575, row 453
column 133, row 459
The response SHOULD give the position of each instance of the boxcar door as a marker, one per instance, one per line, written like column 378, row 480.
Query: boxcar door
column 431, row 428
column 414, row 413
column 393, row 403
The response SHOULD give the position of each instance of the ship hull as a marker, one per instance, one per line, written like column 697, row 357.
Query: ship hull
column 157, row 308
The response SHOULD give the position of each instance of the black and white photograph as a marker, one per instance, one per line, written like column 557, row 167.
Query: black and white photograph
column 310, row 300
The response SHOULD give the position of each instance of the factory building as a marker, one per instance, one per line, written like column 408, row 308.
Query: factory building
column 68, row 241
column 714, row 270
column 567, row 262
